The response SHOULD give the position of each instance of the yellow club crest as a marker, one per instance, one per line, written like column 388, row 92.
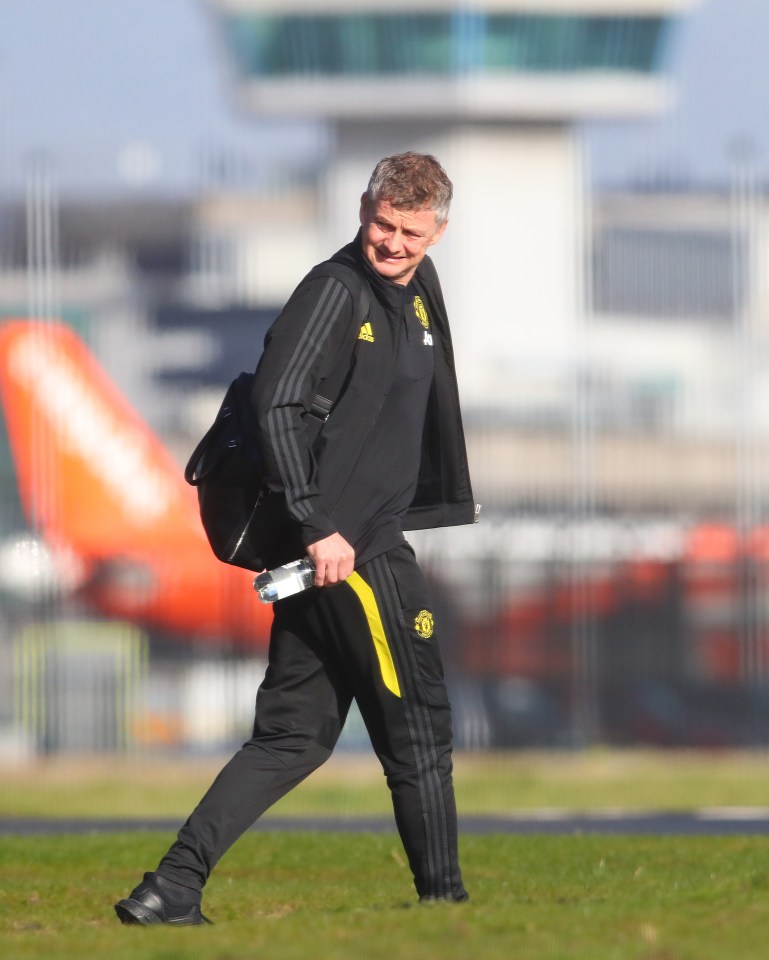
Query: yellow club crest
column 421, row 313
column 423, row 624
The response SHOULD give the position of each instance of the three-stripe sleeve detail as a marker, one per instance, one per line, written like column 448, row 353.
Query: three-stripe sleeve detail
column 288, row 391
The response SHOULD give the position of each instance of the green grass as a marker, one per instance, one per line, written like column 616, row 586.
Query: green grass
column 333, row 896
column 350, row 785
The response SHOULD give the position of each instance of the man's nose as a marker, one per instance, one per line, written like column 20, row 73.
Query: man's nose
column 394, row 240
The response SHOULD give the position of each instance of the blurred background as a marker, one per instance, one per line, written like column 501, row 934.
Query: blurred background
column 169, row 171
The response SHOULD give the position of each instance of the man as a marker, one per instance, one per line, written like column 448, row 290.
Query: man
column 391, row 456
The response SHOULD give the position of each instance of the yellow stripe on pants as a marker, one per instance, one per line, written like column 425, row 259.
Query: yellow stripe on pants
column 368, row 601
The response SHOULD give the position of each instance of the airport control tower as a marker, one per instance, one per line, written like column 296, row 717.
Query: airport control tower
column 495, row 89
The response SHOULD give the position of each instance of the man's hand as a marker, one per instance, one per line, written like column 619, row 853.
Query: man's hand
column 334, row 560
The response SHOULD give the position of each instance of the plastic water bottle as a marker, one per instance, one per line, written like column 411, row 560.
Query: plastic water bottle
column 285, row 581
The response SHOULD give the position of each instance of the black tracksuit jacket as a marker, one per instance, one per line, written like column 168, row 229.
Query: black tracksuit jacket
column 315, row 343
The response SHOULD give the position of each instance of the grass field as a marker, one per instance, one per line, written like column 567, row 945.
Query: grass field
column 338, row 896
column 350, row 784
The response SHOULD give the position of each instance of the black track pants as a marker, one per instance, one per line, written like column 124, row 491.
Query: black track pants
column 371, row 638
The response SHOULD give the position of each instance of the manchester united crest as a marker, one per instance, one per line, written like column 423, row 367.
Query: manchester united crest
column 421, row 313
column 423, row 624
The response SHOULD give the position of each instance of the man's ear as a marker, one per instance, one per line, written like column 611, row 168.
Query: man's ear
column 363, row 209
column 438, row 233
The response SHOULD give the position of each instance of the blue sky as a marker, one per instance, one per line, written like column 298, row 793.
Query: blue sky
column 721, row 70
column 82, row 80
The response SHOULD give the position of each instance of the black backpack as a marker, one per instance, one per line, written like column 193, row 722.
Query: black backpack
column 246, row 524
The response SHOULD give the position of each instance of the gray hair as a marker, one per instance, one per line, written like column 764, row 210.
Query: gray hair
column 411, row 181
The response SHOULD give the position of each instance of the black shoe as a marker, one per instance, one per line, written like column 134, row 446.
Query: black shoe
column 157, row 900
column 429, row 898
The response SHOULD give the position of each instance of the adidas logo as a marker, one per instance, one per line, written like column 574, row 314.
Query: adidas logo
column 366, row 333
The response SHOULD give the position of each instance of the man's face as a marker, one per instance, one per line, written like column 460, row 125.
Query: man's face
column 395, row 241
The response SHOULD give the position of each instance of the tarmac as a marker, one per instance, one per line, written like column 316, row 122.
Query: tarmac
column 718, row 821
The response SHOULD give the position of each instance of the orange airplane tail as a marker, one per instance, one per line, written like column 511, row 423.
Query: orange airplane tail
column 102, row 490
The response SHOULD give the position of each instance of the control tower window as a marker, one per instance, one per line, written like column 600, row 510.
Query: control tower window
column 443, row 43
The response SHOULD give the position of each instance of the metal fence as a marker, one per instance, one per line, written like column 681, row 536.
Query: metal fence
column 614, row 591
